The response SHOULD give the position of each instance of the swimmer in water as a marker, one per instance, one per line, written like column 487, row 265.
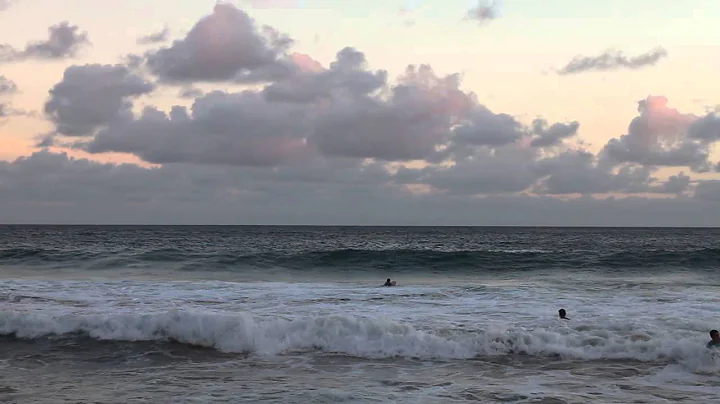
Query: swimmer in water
column 715, row 341
column 562, row 314
column 387, row 282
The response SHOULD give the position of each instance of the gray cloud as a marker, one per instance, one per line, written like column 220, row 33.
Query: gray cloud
column 659, row 136
column 156, row 37
column 347, row 75
column 7, row 86
column 91, row 96
column 190, row 93
column 7, row 111
column 221, row 128
column 89, row 192
column 612, row 60
column 64, row 41
column 675, row 184
column 351, row 115
column 224, row 46
column 483, row 12
column 338, row 144
column 344, row 111
column 554, row 134
column 706, row 128
column 708, row 191
column 5, row 4
column 578, row 172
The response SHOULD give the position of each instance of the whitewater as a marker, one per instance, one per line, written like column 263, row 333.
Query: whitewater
column 502, row 342
column 118, row 315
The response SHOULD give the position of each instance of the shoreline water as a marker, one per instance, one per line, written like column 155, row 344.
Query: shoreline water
column 180, row 328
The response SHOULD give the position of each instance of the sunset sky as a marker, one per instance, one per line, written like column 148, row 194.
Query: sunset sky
column 514, row 112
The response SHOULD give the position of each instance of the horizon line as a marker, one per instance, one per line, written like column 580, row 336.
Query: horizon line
column 355, row 225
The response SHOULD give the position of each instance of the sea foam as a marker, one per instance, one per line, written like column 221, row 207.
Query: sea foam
column 359, row 337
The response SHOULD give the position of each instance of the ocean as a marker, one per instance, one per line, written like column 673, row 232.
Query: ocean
column 272, row 314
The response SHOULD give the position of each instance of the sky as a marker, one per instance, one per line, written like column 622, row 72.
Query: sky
column 382, row 112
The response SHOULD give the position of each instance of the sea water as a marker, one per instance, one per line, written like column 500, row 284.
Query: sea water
column 298, row 315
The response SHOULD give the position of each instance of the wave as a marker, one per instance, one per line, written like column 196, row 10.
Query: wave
column 355, row 336
column 399, row 260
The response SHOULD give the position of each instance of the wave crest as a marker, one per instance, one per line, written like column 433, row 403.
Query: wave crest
column 354, row 336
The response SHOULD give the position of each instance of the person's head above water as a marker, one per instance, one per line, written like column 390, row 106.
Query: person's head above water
column 562, row 314
column 388, row 280
column 715, row 341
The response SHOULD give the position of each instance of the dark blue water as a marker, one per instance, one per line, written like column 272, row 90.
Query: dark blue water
column 305, row 249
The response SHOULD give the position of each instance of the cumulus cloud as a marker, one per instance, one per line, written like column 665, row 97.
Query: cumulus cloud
column 707, row 128
column 552, row 135
column 92, row 96
column 344, row 142
column 7, row 86
column 226, row 45
column 662, row 136
column 64, row 41
column 226, row 129
column 579, row 172
column 349, row 115
column 156, row 37
column 612, row 60
column 344, row 111
column 313, row 82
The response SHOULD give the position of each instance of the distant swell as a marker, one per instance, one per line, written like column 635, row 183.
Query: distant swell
column 359, row 337
column 361, row 259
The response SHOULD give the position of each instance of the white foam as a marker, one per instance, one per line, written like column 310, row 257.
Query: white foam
column 609, row 321
column 361, row 337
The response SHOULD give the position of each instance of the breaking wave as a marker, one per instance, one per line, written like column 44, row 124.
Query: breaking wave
column 359, row 337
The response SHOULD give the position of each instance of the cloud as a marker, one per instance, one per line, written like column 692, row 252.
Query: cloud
column 708, row 191
column 7, row 86
column 84, row 191
column 662, row 136
column 313, row 82
column 348, row 115
column 156, row 37
column 223, row 46
column 221, row 129
column 64, row 41
column 612, row 60
column 341, row 142
column 554, row 134
column 91, row 96
column 483, row 12
column 345, row 111
column 579, row 172
column 707, row 128
column 5, row 4
column 190, row 93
